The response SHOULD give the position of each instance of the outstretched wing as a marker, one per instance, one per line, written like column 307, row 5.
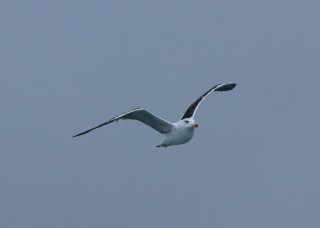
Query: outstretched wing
column 141, row 115
column 191, row 111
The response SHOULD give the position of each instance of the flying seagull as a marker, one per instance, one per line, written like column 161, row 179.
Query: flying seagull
column 174, row 133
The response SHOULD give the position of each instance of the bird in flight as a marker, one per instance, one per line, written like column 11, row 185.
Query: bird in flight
column 174, row 133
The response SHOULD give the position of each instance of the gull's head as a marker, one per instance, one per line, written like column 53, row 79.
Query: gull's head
column 189, row 123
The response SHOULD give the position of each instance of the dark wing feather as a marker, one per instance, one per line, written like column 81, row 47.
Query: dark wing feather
column 141, row 115
column 191, row 111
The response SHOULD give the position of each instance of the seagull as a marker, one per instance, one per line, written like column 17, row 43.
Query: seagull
column 174, row 133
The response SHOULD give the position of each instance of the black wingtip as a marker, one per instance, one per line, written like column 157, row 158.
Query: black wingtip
column 82, row 133
column 226, row 87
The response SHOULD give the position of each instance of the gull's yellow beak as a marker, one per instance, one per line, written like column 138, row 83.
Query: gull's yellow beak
column 195, row 125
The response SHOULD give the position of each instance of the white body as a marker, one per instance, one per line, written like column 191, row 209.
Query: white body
column 181, row 133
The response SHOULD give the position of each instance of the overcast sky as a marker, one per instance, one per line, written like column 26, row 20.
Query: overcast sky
column 66, row 66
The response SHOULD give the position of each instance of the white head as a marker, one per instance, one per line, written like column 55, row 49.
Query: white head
column 188, row 123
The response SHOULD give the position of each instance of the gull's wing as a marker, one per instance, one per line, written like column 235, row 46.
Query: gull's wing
column 143, row 116
column 191, row 111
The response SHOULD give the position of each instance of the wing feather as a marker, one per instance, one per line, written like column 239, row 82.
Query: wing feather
column 191, row 111
column 141, row 115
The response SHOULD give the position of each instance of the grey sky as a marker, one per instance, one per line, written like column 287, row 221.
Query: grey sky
column 68, row 65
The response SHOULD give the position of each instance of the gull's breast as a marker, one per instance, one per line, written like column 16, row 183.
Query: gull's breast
column 179, row 136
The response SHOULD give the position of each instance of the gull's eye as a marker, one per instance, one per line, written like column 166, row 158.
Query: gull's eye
column 186, row 121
